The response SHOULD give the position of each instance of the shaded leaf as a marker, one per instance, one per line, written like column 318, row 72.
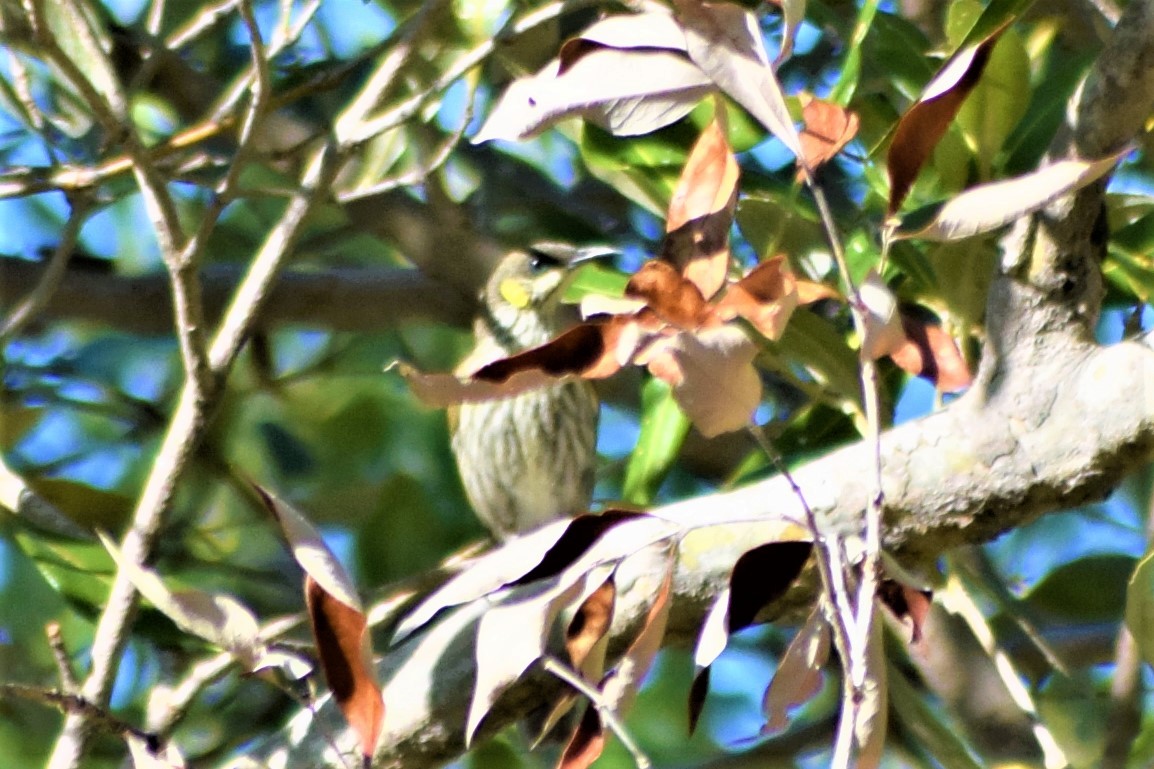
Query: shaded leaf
column 925, row 724
column 343, row 645
column 663, row 430
column 724, row 40
column 930, row 352
column 712, row 376
column 924, row 124
column 1140, row 607
column 798, row 676
column 701, row 212
column 511, row 636
column 145, row 757
column 219, row 619
column 827, row 128
column 987, row 207
column 905, row 602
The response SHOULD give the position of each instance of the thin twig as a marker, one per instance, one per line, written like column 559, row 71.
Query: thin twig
column 39, row 297
column 186, row 429
column 76, row 705
column 565, row 673
column 397, row 114
column 64, row 669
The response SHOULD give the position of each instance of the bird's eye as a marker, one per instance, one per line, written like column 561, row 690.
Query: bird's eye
column 539, row 261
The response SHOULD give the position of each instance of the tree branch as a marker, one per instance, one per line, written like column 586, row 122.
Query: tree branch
column 1052, row 422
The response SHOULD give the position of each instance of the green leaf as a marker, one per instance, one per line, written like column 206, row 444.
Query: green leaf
column 1140, row 607
column 813, row 341
column 926, row 726
column 998, row 102
column 663, row 430
column 80, row 572
column 1088, row 589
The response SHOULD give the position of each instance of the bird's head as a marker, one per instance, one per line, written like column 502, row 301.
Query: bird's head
column 522, row 299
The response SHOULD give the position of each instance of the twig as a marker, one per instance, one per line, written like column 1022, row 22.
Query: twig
column 205, row 19
column 565, row 673
column 67, row 675
column 185, row 432
column 860, row 621
column 397, row 114
column 76, row 705
column 50, row 280
column 419, row 174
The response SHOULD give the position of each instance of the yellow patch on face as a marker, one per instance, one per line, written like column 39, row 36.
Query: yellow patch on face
column 515, row 293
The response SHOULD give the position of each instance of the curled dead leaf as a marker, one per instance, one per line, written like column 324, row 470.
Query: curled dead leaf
column 343, row 645
column 712, row 376
column 828, row 127
column 931, row 353
column 922, row 126
column 701, row 212
column 766, row 297
column 674, row 299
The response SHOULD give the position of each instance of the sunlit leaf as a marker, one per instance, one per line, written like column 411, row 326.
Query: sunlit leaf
column 923, row 125
column 987, row 207
column 701, row 212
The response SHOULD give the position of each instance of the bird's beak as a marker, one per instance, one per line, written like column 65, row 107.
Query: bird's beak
column 591, row 253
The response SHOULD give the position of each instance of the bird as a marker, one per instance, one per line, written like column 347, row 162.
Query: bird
column 530, row 458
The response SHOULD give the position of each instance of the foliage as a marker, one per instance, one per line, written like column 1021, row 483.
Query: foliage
column 224, row 221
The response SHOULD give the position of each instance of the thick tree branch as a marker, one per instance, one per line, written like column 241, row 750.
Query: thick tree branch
column 1052, row 422
column 343, row 299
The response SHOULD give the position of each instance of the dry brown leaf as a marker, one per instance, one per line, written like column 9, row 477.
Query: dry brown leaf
column 906, row 601
column 809, row 292
column 827, row 128
column 590, row 350
column 924, row 124
column 988, row 207
column 766, row 297
column 586, row 744
column 701, row 212
column 932, row 353
column 712, row 376
column 760, row 576
column 588, row 629
column 486, row 574
column 670, row 296
column 343, row 645
column 798, row 675
column 586, row 645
